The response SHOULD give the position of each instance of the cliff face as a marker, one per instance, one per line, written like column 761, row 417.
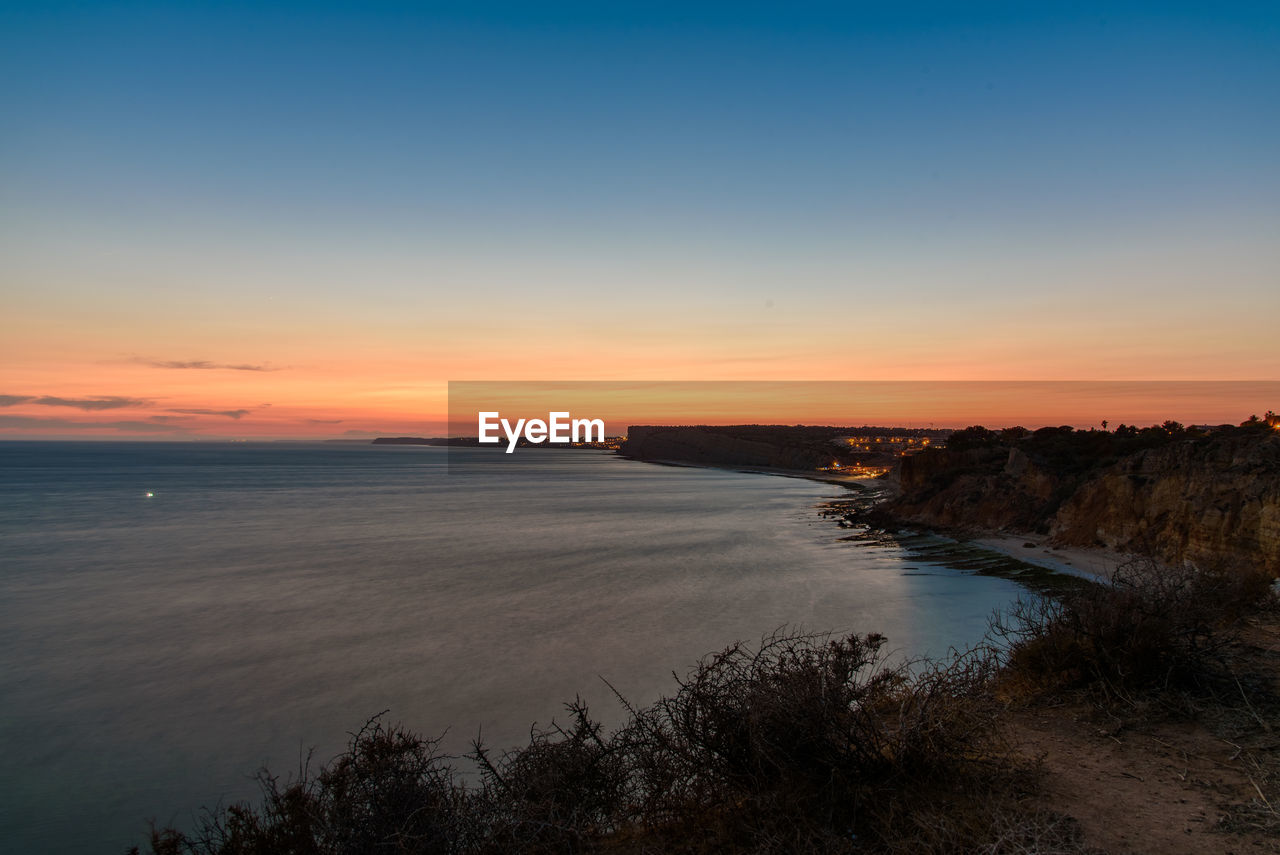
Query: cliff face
column 1206, row 504
column 988, row 488
column 1208, row 501
column 719, row 448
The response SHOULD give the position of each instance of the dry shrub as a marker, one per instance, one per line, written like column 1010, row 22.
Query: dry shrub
column 391, row 791
column 1152, row 628
column 804, row 743
column 562, row 790
column 800, row 744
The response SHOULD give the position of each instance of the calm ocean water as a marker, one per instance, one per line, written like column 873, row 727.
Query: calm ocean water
column 268, row 598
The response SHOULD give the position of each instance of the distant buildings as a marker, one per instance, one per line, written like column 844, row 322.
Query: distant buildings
column 892, row 444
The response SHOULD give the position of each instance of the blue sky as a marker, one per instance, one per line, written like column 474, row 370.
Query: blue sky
column 767, row 122
column 168, row 168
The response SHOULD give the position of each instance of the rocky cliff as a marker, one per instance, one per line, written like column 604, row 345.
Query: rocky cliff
column 1184, row 498
column 806, row 447
column 725, row 447
column 983, row 488
column 1204, row 503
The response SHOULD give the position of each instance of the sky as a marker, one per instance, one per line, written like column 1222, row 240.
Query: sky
column 290, row 220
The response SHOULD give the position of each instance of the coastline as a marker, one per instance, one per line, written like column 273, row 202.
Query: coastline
column 848, row 481
column 1087, row 563
column 1035, row 550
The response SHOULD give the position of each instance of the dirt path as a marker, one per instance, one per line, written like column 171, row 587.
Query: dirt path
column 1171, row 787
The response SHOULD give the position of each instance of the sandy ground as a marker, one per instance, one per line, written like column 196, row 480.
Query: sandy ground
column 1157, row 784
column 1033, row 549
column 1166, row 789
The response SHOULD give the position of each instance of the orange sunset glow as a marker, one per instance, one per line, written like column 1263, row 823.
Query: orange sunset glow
column 175, row 375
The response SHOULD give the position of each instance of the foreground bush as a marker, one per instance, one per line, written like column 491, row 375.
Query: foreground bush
column 1154, row 628
column 801, row 744
column 808, row 743
column 391, row 791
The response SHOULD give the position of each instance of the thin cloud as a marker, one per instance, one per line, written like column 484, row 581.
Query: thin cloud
column 324, row 421
column 111, row 402
column 14, row 400
column 35, row 423
column 231, row 414
column 202, row 365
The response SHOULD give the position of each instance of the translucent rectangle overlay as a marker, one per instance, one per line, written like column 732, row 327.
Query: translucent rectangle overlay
column 532, row 410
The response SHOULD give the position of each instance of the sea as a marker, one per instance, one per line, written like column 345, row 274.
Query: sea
column 176, row 616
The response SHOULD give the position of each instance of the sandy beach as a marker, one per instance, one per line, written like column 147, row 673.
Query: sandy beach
column 1034, row 549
